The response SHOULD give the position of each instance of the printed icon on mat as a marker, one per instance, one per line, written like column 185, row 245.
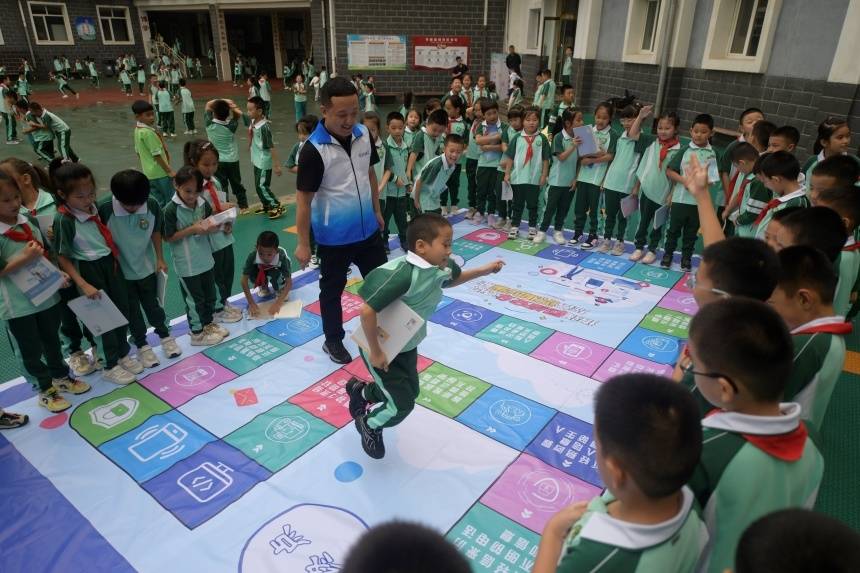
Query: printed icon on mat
column 574, row 350
column 287, row 429
column 540, row 489
column 158, row 442
column 114, row 413
column 206, row 481
column 467, row 315
column 660, row 344
column 194, row 376
column 510, row 412
column 244, row 396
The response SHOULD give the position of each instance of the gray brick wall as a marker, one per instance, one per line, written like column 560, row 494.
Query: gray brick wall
column 15, row 46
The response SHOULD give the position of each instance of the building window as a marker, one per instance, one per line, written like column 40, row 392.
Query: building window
column 50, row 23
column 644, row 31
column 740, row 35
column 115, row 25
column 649, row 33
column 1, row 38
column 533, row 40
column 749, row 20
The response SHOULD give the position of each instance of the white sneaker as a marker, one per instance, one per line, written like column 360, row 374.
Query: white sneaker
column 81, row 364
column 558, row 237
column 500, row 223
column 204, row 338
column 618, row 249
column 230, row 309
column 649, row 258
column 225, row 316
column 147, row 357
column 513, row 234
column 540, row 237
column 131, row 364
column 605, row 246
column 119, row 375
column 217, row 329
column 507, row 228
column 444, row 210
column 532, row 231
column 636, row 255
column 315, row 262
column 169, row 347
column 477, row 218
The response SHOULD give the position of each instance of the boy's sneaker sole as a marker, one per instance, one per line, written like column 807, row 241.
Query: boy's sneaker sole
column 371, row 440
column 357, row 402
column 9, row 421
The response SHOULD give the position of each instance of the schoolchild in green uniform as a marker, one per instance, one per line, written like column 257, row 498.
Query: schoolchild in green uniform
column 504, row 207
column 188, row 235
column 684, row 215
column 59, row 129
column 753, row 432
column 268, row 265
column 621, row 177
column 416, row 280
column 455, row 107
column 187, row 108
column 42, row 140
column 562, row 176
column 134, row 220
column 166, row 117
column 372, row 122
column 221, row 117
column 516, row 97
column 779, row 172
column 434, row 176
column 23, row 87
column 203, row 156
column 6, row 111
column 125, row 80
column 175, row 76
column 266, row 95
column 833, row 138
column 152, row 152
column 526, row 170
column 141, row 80
column 646, row 519
column 846, row 202
column 592, row 170
column 413, row 126
column 36, row 199
column 396, row 184
column 300, row 96
column 86, row 251
column 747, row 195
column 33, row 329
column 94, row 73
column 264, row 159
column 747, row 120
column 545, row 97
column 473, row 152
column 488, row 138
column 63, row 86
column 304, row 128
column 426, row 142
column 835, row 171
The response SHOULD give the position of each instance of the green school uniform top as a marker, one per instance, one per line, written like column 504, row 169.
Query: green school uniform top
column 61, row 82
column 324, row 79
column 222, row 134
column 516, row 97
column 276, row 274
column 606, row 141
column 141, row 75
column 819, row 354
column 751, row 466
column 461, row 128
column 408, row 136
column 707, row 156
column 425, row 148
column 77, row 237
column 124, row 78
column 651, row 172
column 600, row 542
column 848, row 271
column 478, row 93
column 756, row 197
column 237, row 69
column 187, row 101
column 148, row 145
column 473, row 151
column 92, row 68
column 522, row 172
column 218, row 240
column 379, row 166
column 165, row 101
column 621, row 174
column 23, row 88
column 193, row 254
column 266, row 90
column 815, row 160
column 53, row 122
column 4, row 105
column 45, row 205
column 153, row 96
column 413, row 280
column 299, row 96
column 370, row 103
column 794, row 199
column 548, row 101
column 132, row 233
column 261, row 145
column 38, row 134
column 293, row 158
column 562, row 173
column 539, row 96
column 434, row 179
column 741, row 184
column 508, row 135
column 174, row 76
column 396, row 158
column 491, row 158
column 13, row 302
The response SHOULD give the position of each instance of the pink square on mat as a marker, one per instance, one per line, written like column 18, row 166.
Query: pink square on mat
column 623, row 363
column 359, row 369
column 186, row 379
column 572, row 353
column 327, row 399
column 487, row 236
column 681, row 285
column 530, row 492
column 680, row 301
column 350, row 303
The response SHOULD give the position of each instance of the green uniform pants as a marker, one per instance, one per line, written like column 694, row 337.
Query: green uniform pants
column 94, row 80
column 472, row 182
column 586, row 203
column 104, row 274
column 683, row 223
column 646, row 230
column 397, row 208
column 263, row 186
column 64, row 145
column 11, row 126
column 44, row 150
column 161, row 190
column 394, row 392
column 73, row 333
column 198, row 293
column 229, row 172
column 453, row 190
column 487, row 179
column 224, row 270
column 143, row 293
column 525, row 196
column 189, row 120
column 35, row 340
column 167, row 120
column 557, row 205
column 612, row 203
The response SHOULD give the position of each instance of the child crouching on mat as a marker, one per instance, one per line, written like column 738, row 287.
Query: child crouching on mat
column 269, row 264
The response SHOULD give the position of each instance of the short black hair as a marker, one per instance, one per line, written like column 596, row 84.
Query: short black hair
column 783, row 213
column 744, row 151
column 487, row 104
column 141, row 106
column 425, row 227
column 788, row 132
column 221, row 109
column 258, row 102
column 819, row 227
column 748, row 111
column 188, row 173
column 531, row 110
column 438, row 116
column 372, row 116
column 802, row 266
column 704, row 119
column 628, row 112
column 761, row 132
column 399, row 546
column 515, row 112
column 454, row 138
column 336, row 87
column 843, row 200
column 182, row 81
column 162, row 85
column 844, row 168
column 566, row 87
column 742, row 266
column 653, row 427
column 194, row 149
column 780, row 164
column 268, row 239
column 759, row 353
column 798, row 541
column 457, row 102
column 308, row 122
column 394, row 116
column 130, row 187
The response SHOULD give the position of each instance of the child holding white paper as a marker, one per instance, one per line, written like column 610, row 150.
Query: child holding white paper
column 269, row 264
column 87, row 253
column 34, row 329
column 203, row 156
column 134, row 220
column 416, row 279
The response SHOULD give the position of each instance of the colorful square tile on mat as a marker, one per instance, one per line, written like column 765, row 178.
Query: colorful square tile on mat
column 468, row 249
column 667, row 321
column 515, row 334
column 652, row 346
column 327, row 399
column 444, row 301
column 358, row 368
column 294, row 331
column 522, row 245
column 567, row 444
column 572, row 353
column 105, row 417
column 448, row 391
column 530, row 492
column 190, row 377
column 654, row 275
column 563, row 254
column 506, row 417
column 353, row 284
column 464, row 317
column 680, row 301
column 681, row 285
column 487, row 236
column 492, row 543
column 350, row 303
column 247, row 352
column 606, row 264
column 622, row 363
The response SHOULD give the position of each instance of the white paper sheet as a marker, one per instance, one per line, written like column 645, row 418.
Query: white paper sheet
column 660, row 216
column 396, row 325
column 161, row 287
column 100, row 315
column 629, row 205
column 290, row 309
column 38, row 280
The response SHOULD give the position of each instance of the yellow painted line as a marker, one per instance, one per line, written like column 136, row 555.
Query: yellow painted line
column 852, row 362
